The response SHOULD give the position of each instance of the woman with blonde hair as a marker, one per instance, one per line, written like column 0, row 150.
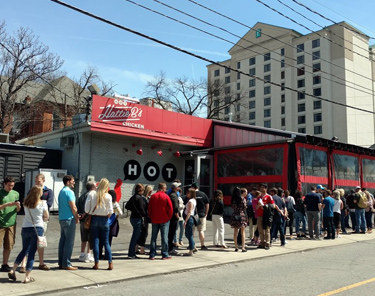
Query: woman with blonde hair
column 344, row 211
column 36, row 212
column 99, row 205
column 337, row 207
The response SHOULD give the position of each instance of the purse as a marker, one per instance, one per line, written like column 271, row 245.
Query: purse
column 41, row 240
column 196, row 220
column 237, row 218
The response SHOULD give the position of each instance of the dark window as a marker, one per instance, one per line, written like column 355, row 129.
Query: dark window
column 252, row 105
column 282, row 86
column 317, row 117
column 301, row 59
column 238, row 65
column 267, row 56
column 267, row 113
column 302, row 130
column 238, row 75
column 252, row 82
column 282, row 63
column 216, row 103
column 238, row 86
column 282, row 52
column 317, row 92
column 316, row 67
column 267, row 78
column 301, row 119
column 267, row 90
column 227, row 100
column 227, row 70
column 301, row 95
column 252, row 93
column 316, row 80
column 300, row 47
column 282, row 74
column 301, row 83
column 315, row 43
column 217, row 72
column 282, row 98
column 251, row 115
column 282, row 109
column 267, row 67
column 252, row 61
column 301, row 107
column 252, row 71
column 267, row 101
column 316, row 55
column 282, row 121
column 226, row 110
column 317, row 104
column 301, row 71
column 227, row 90
column 267, row 123
column 318, row 130
column 227, row 79
column 238, row 107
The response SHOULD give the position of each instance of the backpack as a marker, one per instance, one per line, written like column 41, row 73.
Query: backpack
column 362, row 201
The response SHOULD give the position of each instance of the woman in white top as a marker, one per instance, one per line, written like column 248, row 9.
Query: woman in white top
column 36, row 212
column 337, row 207
column 188, row 219
column 99, row 205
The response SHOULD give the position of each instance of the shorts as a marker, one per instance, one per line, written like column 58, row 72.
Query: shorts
column 85, row 233
column 202, row 226
column 8, row 237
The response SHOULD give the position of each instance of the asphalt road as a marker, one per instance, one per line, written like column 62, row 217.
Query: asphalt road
column 312, row 273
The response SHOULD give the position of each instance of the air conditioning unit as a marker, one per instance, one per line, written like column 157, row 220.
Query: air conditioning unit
column 67, row 142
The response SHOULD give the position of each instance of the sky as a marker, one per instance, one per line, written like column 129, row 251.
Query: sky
column 129, row 61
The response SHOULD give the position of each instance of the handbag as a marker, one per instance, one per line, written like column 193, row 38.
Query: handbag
column 237, row 218
column 41, row 240
column 196, row 220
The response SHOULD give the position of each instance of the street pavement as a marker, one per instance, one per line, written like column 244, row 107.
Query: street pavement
column 47, row 282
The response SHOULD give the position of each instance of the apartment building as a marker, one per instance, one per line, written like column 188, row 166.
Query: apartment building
column 301, row 83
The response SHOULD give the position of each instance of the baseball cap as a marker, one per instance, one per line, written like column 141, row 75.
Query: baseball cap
column 175, row 185
column 320, row 187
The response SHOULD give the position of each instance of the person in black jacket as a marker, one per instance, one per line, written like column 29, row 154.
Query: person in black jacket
column 136, row 218
column 175, row 217
column 217, row 212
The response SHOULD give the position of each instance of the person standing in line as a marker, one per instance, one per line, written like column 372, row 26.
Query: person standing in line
column 313, row 206
column 360, row 210
column 217, row 212
column 239, row 219
column 279, row 216
column 160, row 211
column 250, row 213
column 36, row 212
column 344, row 213
column 264, row 228
column 188, row 220
column 137, row 218
column 9, row 207
column 351, row 208
column 328, row 204
column 144, row 233
column 300, row 215
column 68, row 218
column 86, row 240
column 174, row 220
column 368, row 210
column 180, row 225
column 99, row 206
column 290, row 206
column 337, row 208
column 203, row 205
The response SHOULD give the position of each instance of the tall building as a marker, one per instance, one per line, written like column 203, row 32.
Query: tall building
column 284, row 66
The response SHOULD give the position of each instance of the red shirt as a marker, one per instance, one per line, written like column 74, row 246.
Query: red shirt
column 160, row 208
column 267, row 199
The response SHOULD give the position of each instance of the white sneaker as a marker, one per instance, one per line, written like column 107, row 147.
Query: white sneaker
column 90, row 257
column 83, row 258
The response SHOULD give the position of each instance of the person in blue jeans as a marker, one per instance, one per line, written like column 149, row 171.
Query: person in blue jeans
column 359, row 212
column 137, row 217
column 99, row 206
column 328, row 204
column 188, row 219
column 300, row 215
column 68, row 218
column 36, row 212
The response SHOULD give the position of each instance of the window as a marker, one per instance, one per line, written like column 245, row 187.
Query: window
column 252, row 61
column 317, row 92
column 316, row 55
column 282, row 52
column 252, row 71
column 252, row 82
column 216, row 92
column 227, row 90
column 316, row 67
column 301, row 71
column 238, row 76
column 282, row 109
column 216, row 103
column 227, row 70
column 267, row 78
column 317, row 117
column 267, row 101
column 267, row 90
column 251, row 115
column 226, row 110
column 301, row 59
column 316, row 80
column 238, row 109
column 301, row 95
column 216, row 112
column 267, row 113
column 238, row 97
column 267, row 67
column 267, row 123
column 227, row 79
column 217, row 72
column 267, row 56
column 282, row 121
column 301, row 83
column 282, row 63
column 300, row 47
column 301, row 119
column 301, row 107
column 238, row 65
column 282, row 98
column 317, row 105
column 238, row 118
column 315, row 43
column 252, row 105
column 318, row 130
column 282, row 74
column 227, row 100
column 302, row 130
column 282, row 86
column 238, row 86
column 252, row 93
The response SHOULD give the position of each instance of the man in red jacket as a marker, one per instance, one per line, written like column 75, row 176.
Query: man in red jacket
column 160, row 211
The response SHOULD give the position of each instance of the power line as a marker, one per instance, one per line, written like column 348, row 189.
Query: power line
column 197, row 56
column 274, row 38
column 245, row 48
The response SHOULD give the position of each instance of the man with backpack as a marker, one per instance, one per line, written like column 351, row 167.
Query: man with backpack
column 360, row 201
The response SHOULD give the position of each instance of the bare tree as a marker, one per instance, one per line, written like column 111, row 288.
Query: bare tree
column 23, row 61
column 192, row 97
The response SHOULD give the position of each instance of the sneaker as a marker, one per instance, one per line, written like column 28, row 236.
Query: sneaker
column 83, row 258
column 204, row 248
column 90, row 257
column 174, row 253
column 5, row 268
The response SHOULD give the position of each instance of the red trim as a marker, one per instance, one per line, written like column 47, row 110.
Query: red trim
column 341, row 182
column 366, row 184
column 313, row 180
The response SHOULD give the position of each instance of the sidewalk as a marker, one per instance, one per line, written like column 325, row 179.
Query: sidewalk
column 55, row 279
